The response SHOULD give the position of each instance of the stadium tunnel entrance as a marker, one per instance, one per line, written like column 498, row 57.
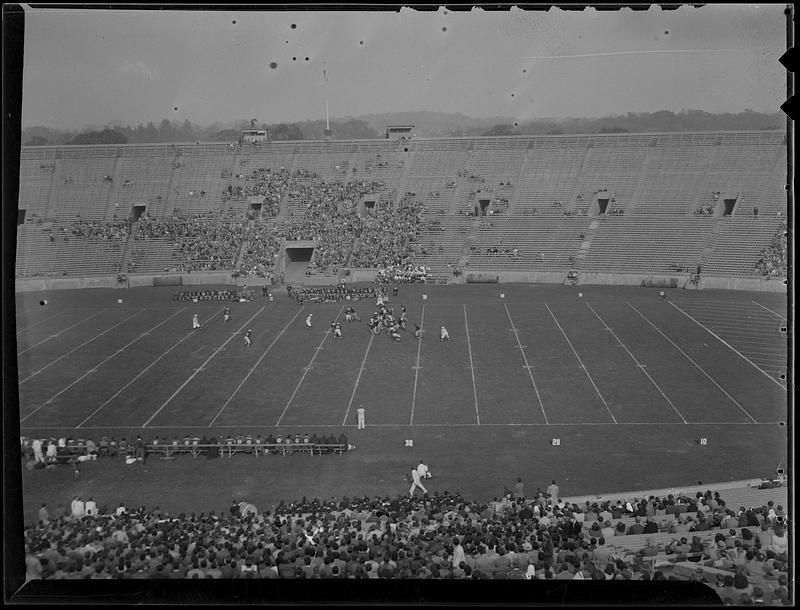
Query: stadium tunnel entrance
column 138, row 211
column 296, row 262
column 21, row 217
column 368, row 205
column 730, row 204
column 296, row 254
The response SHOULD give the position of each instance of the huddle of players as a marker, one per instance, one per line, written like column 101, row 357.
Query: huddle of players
column 383, row 320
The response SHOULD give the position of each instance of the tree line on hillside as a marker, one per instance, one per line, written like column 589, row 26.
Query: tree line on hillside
column 355, row 128
column 664, row 120
column 168, row 131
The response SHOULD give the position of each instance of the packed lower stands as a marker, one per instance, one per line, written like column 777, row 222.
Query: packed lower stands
column 741, row 552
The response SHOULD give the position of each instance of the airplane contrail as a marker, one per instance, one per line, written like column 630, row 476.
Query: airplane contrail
column 633, row 53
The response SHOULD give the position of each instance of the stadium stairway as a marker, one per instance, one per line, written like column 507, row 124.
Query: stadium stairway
column 514, row 201
column 127, row 249
column 172, row 192
column 586, row 244
column 53, row 192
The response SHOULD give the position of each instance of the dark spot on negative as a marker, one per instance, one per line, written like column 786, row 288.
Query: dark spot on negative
column 175, row 108
column 294, row 26
column 233, row 22
column 360, row 42
column 524, row 71
column 306, row 58
column 294, row 59
column 444, row 28
column 273, row 64
column 666, row 31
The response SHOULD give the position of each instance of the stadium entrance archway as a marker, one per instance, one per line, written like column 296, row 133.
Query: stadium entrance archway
column 299, row 254
column 602, row 205
column 138, row 211
column 296, row 261
column 21, row 217
column 368, row 206
column 254, row 205
column 482, row 208
column 730, row 204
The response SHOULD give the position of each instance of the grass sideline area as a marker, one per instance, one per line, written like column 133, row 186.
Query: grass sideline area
column 482, row 409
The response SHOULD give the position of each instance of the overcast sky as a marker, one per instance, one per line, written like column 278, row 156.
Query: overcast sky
column 91, row 67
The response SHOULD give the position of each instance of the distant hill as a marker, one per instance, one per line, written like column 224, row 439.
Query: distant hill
column 426, row 125
column 433, row 124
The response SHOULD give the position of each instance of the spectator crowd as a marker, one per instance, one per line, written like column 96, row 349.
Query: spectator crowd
column 434, row 536
column 774, row 258
column 116, row 229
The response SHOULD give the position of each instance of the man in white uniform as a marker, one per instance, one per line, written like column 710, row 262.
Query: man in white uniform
column 308, row 320
column 445, row 336
column 416, row 482
column 195, row 322
column 424, row 472
column 37, row 450
column 361, row 423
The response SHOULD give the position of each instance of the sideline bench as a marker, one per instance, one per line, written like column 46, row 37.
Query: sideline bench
column 228, row 450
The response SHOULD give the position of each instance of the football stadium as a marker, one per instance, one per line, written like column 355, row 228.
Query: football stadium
column 512, row 357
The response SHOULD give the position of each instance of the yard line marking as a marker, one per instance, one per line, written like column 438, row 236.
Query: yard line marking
column 318, row 426
column 61, row 332
column 307, row 368
column 769, row 310
column 417, row 367
column 202, row 366
column 32, row 375
column 472, row 367
column 355, row 387
column 94, row 368
column 253, row 368
column 721, row 340
column 27, row 328
column 527, row 364
column 142, row 372
column 733, row 400
column 585, row 370
column 638, row 364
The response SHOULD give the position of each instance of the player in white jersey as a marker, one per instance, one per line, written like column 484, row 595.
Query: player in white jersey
column 444, row 336
column 308, row 320
column 337, row 330
column 248, row 338
column 195, row 322
column 227, row 314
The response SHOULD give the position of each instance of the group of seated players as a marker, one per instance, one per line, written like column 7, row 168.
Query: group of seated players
column 440, row 535
column 205, row 295
column 39, row 452
column 337, row 294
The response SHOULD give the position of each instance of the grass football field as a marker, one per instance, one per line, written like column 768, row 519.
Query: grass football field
column 628, row 382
